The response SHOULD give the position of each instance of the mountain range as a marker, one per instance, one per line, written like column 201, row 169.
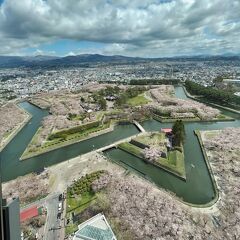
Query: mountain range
column 54, row 61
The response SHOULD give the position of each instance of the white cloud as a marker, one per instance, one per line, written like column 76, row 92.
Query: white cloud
column 150, row 27
column 46, row 53
column 71, row 54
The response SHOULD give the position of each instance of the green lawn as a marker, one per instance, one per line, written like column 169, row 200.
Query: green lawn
column 80, row 202
column 138, row 100
column 223, row 117
column 76, row 205
column 130, row 148
column 172, row 157
column 78, row 117
column 59, row 142
column 77, row 135
column 174, row 162
column 151, row 138
column 79, row 197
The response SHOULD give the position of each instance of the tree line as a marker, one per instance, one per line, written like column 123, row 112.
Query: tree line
column 211, row 93
column 178, row 131
column 99, row 96
column 129, row 93
column 153, row 81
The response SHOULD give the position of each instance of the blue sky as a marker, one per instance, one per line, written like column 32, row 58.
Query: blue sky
column 64, row 47
column 150, row 28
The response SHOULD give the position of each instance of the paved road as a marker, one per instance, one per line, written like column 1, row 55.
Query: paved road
column 53, row 224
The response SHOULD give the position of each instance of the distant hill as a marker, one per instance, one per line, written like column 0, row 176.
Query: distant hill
column 91, row 58
column 19, row 61
column 53, row 61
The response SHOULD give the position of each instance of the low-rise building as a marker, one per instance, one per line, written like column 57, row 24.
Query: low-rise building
column 95, row 228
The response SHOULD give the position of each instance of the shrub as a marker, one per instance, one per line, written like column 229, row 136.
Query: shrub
column 63, row 133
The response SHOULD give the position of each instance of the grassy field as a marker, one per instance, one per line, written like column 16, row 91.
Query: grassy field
column 151, row 138
column 138, row 100
column 224, row 117
column 172, row 157
column 59, row 142
column 77, row 205
column 77, row 135
column 130, row 148
column 174, row 162
column 80, row 197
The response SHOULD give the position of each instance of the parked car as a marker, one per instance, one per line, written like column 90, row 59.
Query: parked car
column 60, row 197
column 60, row 206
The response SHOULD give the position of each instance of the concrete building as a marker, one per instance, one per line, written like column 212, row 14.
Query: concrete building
column 1, row 212
column 9, row 217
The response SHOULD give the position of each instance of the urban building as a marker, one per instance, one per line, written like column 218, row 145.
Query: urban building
column 9, row 218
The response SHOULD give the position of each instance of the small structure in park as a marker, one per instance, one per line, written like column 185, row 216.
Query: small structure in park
column 169, row 134
column 95, row 228
column 111, row 98
column 157, row 149
column 166, row 130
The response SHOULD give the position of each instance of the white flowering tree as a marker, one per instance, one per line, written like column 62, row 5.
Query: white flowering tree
column 152, row 153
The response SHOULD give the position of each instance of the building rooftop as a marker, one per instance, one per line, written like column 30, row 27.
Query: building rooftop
column 96, row 228
column 166, row 130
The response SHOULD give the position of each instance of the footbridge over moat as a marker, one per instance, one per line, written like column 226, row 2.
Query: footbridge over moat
column 139, row 126
column 114, row 145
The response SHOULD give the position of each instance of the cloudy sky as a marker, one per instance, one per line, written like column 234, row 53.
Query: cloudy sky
column 146, row 28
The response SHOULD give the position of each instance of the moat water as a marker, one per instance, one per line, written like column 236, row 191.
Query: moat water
column 198, row 189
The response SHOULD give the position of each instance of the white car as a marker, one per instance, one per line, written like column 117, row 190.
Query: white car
column 60, row 206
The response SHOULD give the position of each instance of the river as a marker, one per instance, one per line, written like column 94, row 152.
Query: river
column 198, row 189
column 13, row 167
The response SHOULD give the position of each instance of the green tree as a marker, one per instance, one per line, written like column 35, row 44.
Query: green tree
column 122, row 99
column 218, row 79
column 212, row 94
column 71, row 116
column 102, row 103
column 178, row 133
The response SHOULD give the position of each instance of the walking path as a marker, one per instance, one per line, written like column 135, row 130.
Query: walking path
column 139, row 126
column 118, row 142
